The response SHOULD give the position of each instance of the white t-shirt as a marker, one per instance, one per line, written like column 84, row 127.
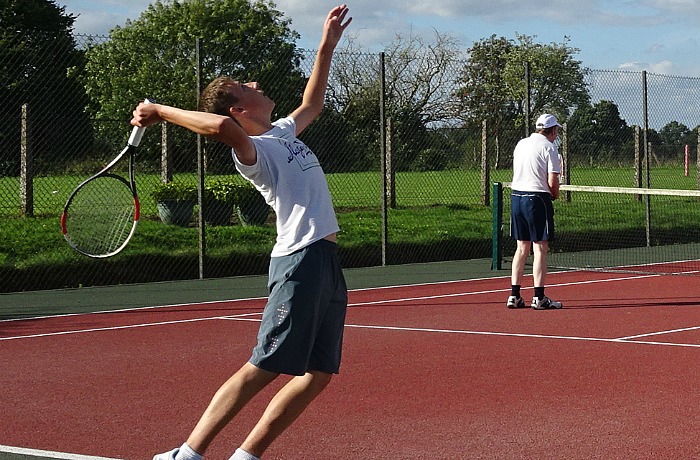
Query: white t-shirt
column 533, row 159
column 289, row 176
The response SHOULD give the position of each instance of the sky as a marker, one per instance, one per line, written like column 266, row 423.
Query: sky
column 659, row 36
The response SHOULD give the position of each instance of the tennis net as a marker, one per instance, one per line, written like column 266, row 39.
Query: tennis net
column 613, row 229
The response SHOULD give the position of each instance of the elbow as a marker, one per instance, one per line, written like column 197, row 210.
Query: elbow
column 220, row 130
column 221, row 126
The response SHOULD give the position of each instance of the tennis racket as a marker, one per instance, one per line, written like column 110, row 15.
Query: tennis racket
column 101, row 214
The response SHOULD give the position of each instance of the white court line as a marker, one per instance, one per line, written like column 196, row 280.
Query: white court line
column 493, row 291
column 377, row 302
column 124, row 310
column 131, row 326
column 671, row 331
column 380, row 288
column 530, row 336
column 48, row 454
column 246, row 299
column 242, row 317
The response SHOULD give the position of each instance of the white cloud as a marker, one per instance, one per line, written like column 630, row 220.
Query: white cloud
column 664, row 67
column 609, row 34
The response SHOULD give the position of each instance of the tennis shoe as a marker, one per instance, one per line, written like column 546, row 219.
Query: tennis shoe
column 515, row 302
column 167, row 455
column 184, row 452
column 545, row 303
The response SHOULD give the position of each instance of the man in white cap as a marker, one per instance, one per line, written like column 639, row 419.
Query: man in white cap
column 536, row 169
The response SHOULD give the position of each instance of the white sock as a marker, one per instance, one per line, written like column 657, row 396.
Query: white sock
column 241, row 454
column 187, row 453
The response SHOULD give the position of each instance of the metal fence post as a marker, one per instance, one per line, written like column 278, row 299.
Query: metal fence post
column 390, row 173
column 565, row 166
column 647, row 152
column 166, row 168
column 382, row 146
column 200, row 169
column 697, row 160
column 485, row 166
column 26, row 179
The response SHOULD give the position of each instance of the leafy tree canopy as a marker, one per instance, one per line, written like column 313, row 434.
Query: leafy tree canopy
column 38, row 67
column 155, row 55
column 494, row 87
column 675, row 133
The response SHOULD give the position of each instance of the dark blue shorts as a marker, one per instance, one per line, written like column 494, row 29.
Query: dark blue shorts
column 531, row 216
column 303, row 321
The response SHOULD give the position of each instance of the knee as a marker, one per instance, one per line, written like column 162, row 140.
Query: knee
column 522, row 251
column 320, row 380
column 541, row 247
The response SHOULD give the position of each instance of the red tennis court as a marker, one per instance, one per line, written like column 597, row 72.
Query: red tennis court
column 439, row 370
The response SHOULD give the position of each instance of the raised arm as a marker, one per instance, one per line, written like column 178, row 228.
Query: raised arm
column 218, row 127
column 315, row 91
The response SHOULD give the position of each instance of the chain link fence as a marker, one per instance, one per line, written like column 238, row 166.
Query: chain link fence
column 410, row 181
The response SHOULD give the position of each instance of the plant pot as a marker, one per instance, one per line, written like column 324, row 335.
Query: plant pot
column 217, row 213
column 252, row 209
column 174, row 212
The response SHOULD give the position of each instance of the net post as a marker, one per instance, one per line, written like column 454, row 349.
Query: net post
column 497, row 209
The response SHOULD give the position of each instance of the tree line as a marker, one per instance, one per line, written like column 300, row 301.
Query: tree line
column 81, row 94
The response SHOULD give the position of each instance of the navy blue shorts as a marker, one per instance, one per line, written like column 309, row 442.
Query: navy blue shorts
column 303, row 321
column 531, row 216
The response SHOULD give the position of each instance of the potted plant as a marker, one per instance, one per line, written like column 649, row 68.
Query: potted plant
column 251, row 207
column 175, row 202
column 219, row 198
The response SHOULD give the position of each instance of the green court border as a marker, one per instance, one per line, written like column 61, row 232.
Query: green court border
column 105, row 298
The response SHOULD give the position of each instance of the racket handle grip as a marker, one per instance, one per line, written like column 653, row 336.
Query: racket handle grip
column 137, row 132
column 136, row 135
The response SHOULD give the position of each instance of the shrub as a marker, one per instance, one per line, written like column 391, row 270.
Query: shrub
column 220, row 190
column 175, row 191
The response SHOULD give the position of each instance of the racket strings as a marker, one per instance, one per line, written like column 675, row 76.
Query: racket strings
column 101, row 216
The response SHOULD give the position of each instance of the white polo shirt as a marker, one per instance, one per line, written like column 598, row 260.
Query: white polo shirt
column 533, row 159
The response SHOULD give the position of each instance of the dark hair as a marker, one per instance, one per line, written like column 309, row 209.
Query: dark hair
column 216, row 98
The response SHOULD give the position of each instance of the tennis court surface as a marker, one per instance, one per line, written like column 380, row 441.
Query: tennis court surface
column 434, row 367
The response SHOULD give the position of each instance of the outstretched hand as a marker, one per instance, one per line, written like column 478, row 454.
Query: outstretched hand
column 335, row 25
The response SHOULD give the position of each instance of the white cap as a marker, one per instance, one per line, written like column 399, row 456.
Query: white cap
column 546, row 121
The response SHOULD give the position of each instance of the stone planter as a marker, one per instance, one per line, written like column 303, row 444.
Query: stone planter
column 217, row 213
column 175, row 212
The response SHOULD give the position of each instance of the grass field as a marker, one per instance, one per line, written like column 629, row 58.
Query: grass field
column 438, row 216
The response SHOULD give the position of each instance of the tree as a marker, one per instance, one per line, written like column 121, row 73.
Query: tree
column 675, row 133
column 484, row 94
column 493, row 85
column 599, row 134
column 417, row 96
column 556, row 78
column 39, row 65
column 155, row 56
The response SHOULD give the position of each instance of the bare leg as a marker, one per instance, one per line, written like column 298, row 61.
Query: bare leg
column 284, row 408
column 227, row 402
column 518, row 267
column 539, row 263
